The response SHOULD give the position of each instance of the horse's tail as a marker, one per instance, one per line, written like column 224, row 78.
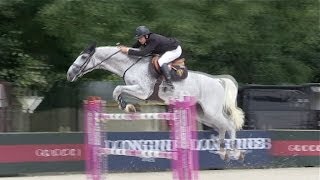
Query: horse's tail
column 230, row 105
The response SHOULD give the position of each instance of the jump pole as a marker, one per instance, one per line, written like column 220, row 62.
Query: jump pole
column 184, row 156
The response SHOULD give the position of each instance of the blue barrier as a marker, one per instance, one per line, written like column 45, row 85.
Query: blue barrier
column 255, row 144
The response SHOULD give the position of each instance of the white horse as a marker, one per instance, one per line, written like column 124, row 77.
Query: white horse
column 215, row 95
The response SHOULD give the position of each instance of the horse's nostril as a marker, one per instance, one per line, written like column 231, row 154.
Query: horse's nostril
column 69, row 78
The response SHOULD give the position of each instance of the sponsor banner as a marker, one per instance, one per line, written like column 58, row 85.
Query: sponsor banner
column 255, row 145
column 34, row 153
column 295, row 148
column 41, row 153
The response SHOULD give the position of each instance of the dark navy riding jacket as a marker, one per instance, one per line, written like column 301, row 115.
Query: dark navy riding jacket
column 155, row 44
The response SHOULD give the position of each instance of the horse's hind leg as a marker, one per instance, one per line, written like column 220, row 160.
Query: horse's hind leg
column 231, row 151
column 232, row 135
column 222, row 124
column 236, row 153
column 222, row 151
column 218, row 123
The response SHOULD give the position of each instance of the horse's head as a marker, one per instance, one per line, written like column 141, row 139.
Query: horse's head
column 82, row 64
column 106, row 57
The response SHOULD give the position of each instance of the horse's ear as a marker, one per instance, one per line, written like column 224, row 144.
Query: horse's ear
column 91, row 48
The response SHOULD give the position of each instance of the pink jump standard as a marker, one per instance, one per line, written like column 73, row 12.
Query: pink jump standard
column 184, row 156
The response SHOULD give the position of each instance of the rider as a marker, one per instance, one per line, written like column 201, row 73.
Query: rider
column 151, row 43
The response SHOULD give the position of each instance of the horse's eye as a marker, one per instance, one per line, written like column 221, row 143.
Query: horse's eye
column 84, row 56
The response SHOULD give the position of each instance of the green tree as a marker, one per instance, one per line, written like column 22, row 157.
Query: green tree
column 263, row 42
column 256, row 41
column 17, row 65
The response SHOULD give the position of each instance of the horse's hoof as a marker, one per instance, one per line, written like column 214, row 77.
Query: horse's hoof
column 130, row 108
column 226, row 156
column 241, row 156
column 222, row 154
column 137, row 107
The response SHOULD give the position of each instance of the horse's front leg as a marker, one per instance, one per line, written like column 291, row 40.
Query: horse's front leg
column 132, row 90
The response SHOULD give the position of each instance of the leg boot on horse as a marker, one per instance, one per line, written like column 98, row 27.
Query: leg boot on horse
column 166, row 73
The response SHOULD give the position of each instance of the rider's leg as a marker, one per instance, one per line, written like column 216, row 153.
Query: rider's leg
column 166, row 58
column 166, row 72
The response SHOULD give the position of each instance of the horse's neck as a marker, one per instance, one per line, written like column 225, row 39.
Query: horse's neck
column 112, row 61
column 118, row 63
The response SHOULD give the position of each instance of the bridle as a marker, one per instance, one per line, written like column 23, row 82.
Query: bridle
column 86, row 62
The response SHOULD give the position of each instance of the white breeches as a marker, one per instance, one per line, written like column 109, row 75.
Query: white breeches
column 170, row 56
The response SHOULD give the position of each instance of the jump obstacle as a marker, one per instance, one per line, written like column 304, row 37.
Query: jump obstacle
column 183, row 132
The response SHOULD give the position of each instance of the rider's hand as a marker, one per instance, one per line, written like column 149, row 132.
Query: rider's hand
column 124, row 49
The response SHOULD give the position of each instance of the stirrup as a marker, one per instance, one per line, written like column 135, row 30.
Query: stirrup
column 168, row 86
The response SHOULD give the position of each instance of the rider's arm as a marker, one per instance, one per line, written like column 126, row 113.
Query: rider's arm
column 136, row 45
column 145, row 51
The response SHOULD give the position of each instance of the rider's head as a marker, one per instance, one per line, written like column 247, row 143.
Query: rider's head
column 142, row 34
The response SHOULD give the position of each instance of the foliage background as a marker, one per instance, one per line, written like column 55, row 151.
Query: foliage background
column 256, row 41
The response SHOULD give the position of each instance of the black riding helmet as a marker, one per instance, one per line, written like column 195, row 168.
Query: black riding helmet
column 141, row 31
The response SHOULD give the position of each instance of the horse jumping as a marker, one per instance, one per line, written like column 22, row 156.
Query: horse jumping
column 215, row 95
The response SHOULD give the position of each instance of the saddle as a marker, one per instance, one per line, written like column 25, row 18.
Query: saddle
column 178, row 69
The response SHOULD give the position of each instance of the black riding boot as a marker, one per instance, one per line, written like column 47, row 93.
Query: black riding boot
column 166, row 72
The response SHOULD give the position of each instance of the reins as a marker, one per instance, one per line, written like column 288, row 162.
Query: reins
column 84, row 65
column 130, row 67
